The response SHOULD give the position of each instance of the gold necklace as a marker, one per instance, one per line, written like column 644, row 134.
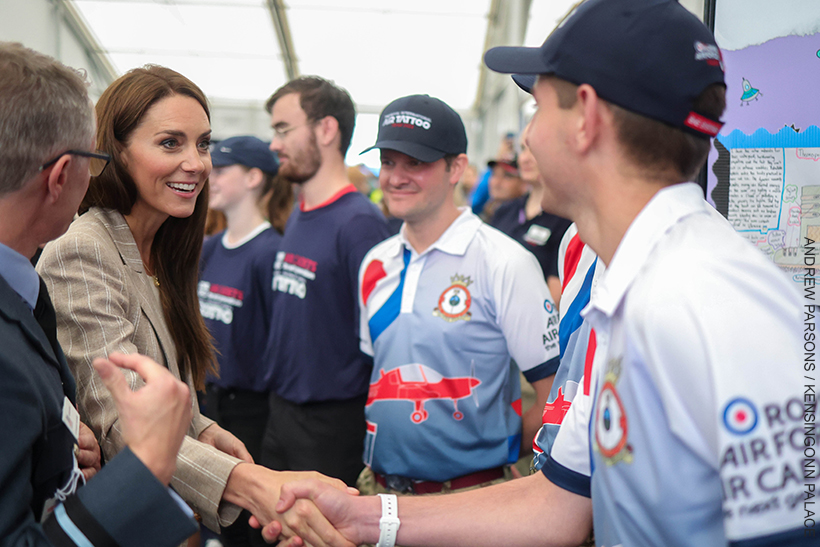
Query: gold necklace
column 149, row 274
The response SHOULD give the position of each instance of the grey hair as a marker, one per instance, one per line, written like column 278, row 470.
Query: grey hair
column 44, row 110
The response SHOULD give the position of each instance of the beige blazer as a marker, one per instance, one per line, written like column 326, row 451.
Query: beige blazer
column 105, row 302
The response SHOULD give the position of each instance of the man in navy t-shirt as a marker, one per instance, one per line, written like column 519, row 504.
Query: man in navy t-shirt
column 317, row 376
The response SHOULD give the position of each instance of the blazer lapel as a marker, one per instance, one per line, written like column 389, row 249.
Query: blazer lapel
column 15, row 310
column 143, row 283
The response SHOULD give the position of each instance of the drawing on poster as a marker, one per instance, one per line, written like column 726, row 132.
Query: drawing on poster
column 773, row 190
column 749, row 93
column 764, row 171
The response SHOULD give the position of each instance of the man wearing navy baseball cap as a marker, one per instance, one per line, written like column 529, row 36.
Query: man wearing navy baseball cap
column 679, row 434
column 445, row 303
column 421, row 126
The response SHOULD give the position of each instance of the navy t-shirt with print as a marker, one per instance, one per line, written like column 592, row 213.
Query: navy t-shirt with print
column 313, row 350
column 235, row 301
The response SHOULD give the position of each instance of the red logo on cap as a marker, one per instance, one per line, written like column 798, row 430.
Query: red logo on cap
column 704, row 125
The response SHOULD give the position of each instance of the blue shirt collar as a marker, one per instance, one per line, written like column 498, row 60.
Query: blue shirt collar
column 19, row 274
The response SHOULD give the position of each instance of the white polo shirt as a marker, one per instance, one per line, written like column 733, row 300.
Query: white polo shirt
column 444, row 400
column 579, row 271
column 695, row 430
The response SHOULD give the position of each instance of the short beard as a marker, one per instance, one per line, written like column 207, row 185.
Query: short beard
column 303, row 165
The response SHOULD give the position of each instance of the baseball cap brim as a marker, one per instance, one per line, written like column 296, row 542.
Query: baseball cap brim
column 525, row 81
column 412, row 149
column 218, row 159
column 517, row 60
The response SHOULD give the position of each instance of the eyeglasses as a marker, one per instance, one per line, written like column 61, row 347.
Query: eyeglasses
column 280, row 133
column 98, row 163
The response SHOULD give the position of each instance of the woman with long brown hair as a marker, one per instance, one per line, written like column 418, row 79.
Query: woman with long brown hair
column 124, row 278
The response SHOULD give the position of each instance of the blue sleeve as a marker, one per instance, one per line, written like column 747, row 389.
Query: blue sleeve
column 360, row 234
column 482, row 192
column 25, row 420
column 123, row 492
column 544, row 370
column 125, row 505
column 566, row 478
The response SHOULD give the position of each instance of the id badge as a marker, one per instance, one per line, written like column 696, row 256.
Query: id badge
column 71, row 418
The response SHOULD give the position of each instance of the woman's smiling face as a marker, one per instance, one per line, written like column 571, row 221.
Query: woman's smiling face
column 168, row 158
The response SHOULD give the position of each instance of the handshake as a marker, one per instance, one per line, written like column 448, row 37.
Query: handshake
column 154, row 420
column 306, row 508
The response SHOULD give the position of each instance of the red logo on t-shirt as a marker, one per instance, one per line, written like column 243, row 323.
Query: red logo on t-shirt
column 301, row 262
column 226, row 291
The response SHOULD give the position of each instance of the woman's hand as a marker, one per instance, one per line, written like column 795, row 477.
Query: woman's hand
column 257, row 489
column 226, row 442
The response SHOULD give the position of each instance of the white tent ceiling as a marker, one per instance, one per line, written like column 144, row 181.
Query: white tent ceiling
column 378, row 50
column 240, row 51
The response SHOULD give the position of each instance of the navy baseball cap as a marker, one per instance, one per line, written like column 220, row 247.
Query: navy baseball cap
column 651, row 57
column 525, row 81
column 246, row 150
column 422, row 127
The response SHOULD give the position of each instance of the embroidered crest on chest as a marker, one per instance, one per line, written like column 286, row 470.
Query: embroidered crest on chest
column 454, row 303
column 611, row 422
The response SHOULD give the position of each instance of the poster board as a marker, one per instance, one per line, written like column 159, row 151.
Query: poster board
column 763, row 173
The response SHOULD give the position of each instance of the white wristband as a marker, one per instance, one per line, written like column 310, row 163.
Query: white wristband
column 389, row 523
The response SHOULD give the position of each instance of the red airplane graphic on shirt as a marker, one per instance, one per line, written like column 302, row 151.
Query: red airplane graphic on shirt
column 555, row 411
column 418, row 383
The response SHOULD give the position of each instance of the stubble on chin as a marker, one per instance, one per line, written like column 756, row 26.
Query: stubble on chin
column 304, row 165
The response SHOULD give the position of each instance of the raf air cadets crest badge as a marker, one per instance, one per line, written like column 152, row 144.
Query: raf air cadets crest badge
column 454, row 302
column 611, row 423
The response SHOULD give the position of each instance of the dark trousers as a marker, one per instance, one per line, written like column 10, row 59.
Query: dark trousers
column 245, row 414
column 327, row 437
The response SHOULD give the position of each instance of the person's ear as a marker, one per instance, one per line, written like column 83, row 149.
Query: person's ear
column 457, row 167
column 57, row 176
column 589, row 123
column 327, row 130
column 254, row 177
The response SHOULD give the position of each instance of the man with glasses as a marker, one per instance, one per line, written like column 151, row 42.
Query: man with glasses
column 97, row 164
column 316, row 373
column 46, row 133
